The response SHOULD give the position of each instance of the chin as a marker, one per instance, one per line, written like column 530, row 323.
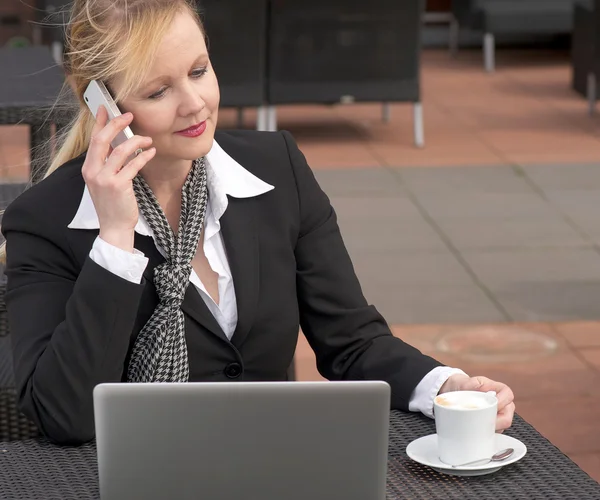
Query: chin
column 196, row 148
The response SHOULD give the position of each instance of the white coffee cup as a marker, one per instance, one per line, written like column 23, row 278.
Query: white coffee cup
column 465, row 423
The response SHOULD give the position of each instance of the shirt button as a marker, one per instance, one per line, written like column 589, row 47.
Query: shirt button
column 233, row 370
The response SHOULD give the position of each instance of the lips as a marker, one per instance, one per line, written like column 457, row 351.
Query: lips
column 194, row 130
column 191, row 129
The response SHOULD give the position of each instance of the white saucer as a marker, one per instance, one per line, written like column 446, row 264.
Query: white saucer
column 424, row 451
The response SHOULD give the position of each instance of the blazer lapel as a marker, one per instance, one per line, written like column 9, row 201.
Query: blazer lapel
column 238, row 227
column 193, row 304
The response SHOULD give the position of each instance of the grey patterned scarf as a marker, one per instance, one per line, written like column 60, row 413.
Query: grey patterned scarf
column 160, row 352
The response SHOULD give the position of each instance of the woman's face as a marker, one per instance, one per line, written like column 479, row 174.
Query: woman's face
column 181, row 91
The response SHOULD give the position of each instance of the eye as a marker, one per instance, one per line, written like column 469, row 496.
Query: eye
column 159, row 94
column 197, row 73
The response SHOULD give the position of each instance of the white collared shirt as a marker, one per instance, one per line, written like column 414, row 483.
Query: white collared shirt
column 225, row 176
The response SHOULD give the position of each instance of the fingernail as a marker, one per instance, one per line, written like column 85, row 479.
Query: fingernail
column 128, row 115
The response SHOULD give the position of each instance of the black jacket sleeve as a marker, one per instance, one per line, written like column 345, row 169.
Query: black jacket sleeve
column 350, row 338
column 70, row 325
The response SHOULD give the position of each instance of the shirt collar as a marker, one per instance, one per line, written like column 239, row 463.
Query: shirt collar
column 225, row 176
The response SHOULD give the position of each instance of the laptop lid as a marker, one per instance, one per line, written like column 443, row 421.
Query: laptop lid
column 247, row 441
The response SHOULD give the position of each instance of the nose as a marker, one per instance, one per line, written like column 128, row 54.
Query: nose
column 192, row 102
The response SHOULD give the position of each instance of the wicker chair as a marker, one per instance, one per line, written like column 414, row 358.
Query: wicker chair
column 237, row 38
column 505, row 17
column 337, row 51
column 585, row 51
column 13, row 424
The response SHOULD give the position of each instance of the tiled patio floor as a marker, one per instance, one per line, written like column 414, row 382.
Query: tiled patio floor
column 523, row 115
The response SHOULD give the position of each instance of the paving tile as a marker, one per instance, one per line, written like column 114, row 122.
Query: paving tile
column 531, row 300
column 477, row 180
column 580, row 333
column 577, row 203
column 468, row 204
column 338, row 156
column 418, row 303
column 555, row 141
column 385, row 268
column 563, row 157
column 559, row 266
column 398, row 234
column 559, row 284
column 441, row 148
column 368, row 208
column 565, row 177
column 359, row 182
column 580, row 206
column 592, row 356
column 484, row 233
column 589, row 225
column 589, row 462
column 569, row 422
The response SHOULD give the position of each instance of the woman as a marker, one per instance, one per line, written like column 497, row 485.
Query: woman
column 100, row 254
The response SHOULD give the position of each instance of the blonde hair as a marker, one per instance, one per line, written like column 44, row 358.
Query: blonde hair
column 105, row 39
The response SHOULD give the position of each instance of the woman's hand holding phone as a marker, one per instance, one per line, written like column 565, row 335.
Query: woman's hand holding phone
column 109, row 178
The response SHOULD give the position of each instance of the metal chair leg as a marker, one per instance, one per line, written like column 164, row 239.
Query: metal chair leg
column 419, row 129
column 57, row 52
column 489, row 52
column 272, row 119
column 386, row 112
column 262, row 119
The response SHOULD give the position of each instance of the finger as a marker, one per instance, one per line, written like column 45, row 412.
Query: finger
column 505, row 397
column 103, row 138
column 505, row 417
column 504, row 393
column 130, row 170
column 473, row 384
column 96, row 149
column 118, row 158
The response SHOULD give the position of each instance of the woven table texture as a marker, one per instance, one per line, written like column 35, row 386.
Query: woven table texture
column 36, row 469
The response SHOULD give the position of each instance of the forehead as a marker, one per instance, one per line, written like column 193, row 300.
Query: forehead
column 181, row 45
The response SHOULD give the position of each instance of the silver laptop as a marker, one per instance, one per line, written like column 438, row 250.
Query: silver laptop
column 242, row 440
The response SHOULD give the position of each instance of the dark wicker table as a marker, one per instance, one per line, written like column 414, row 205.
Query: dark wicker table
column 30, row 82
column 36, row 469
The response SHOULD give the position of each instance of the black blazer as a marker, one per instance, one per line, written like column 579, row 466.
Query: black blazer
column 73, row 323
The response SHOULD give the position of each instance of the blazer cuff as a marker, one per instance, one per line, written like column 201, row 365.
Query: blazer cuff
column 126, row 265
column 426, row 391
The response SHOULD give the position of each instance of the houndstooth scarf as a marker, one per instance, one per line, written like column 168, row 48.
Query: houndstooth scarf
column 160, row 351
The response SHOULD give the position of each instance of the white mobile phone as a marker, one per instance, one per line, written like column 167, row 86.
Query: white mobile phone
column 97, row 95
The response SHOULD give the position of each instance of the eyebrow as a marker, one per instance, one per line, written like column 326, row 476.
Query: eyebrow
column 200, row 58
